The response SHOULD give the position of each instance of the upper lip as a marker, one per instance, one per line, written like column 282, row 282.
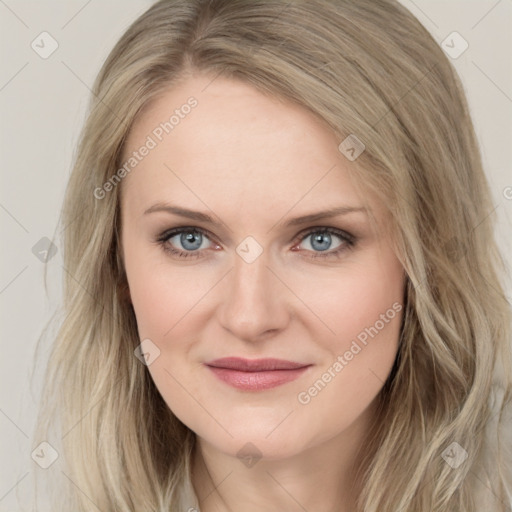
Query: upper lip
column 254, row 365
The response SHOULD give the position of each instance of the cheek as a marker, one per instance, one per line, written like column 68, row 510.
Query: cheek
column 340, row 312
column 163, row 297
column 153, row 302
column 168, row 311
column 361, row 312
column 354, row 302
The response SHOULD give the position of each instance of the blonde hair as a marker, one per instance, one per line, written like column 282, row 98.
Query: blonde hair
column 367, row 68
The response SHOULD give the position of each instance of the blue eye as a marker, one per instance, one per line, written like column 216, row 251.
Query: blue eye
column 191, row 240
column 321, row 240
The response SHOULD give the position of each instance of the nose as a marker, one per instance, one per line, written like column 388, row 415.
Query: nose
column 255, row 301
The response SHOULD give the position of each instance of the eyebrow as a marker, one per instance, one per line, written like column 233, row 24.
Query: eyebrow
column 304, row 219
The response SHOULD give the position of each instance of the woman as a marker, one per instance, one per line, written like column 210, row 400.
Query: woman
column 282, row 286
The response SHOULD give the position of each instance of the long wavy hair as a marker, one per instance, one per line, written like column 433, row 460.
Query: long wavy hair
column 366, row 68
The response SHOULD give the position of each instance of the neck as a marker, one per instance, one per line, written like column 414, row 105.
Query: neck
column 322, row 477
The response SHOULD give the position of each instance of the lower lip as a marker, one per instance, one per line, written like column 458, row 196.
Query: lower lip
column 256, row 381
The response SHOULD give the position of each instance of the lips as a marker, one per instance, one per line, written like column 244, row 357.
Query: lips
column 255, row 374
column 254, row 365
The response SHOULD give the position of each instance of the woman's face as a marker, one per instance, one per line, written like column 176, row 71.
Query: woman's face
column 255, row 281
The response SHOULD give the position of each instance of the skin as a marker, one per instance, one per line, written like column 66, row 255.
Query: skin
column 252, row 162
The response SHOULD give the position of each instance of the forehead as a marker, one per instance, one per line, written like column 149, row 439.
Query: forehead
column 223, row 100
column 258, row 149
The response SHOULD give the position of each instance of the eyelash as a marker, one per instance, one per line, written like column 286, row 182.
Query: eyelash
column 348, row 240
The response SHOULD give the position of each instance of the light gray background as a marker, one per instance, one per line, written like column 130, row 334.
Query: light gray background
column 42, row 104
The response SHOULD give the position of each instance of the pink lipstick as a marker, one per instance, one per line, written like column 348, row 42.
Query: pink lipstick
column 256, row 374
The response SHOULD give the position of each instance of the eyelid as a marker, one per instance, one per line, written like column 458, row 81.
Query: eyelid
column 348, row 239
column 169, row 233
column 325, row 229
column 302, row 234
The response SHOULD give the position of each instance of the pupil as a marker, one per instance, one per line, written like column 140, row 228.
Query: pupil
column 189, row 238
column 324, row 241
